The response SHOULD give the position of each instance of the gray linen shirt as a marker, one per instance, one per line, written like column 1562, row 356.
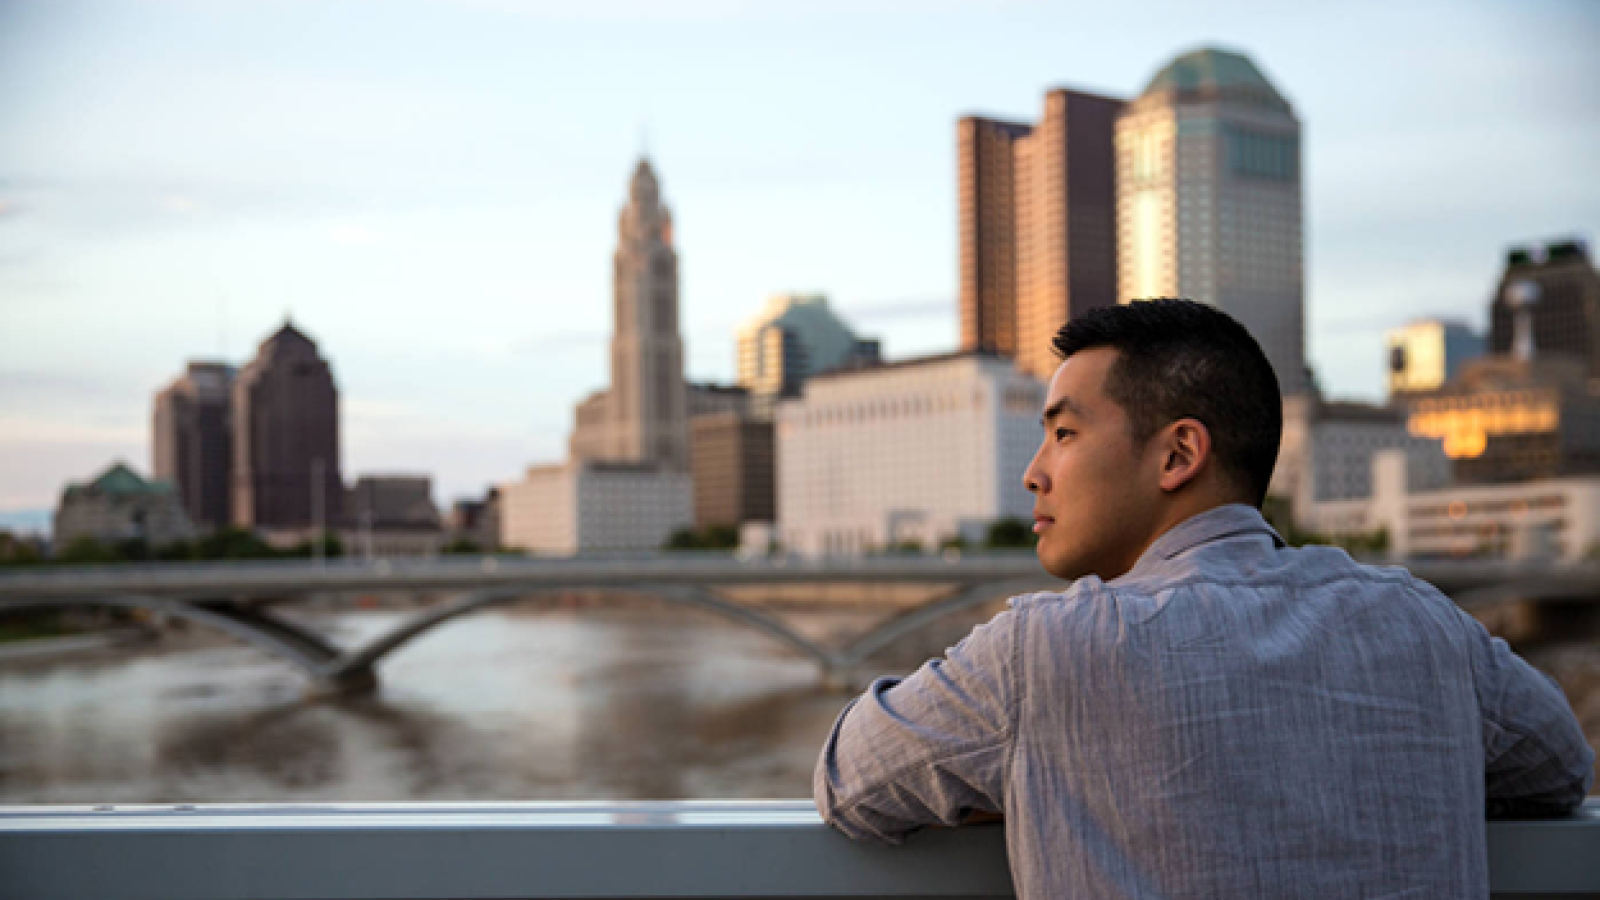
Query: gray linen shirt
column 1231, row 718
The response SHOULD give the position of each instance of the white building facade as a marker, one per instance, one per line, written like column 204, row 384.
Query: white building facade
column 1552, row 519
column 1209, row 201
column 588, row 506
column 914, row 452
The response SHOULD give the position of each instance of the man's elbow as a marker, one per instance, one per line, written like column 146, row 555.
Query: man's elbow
column 848, row 815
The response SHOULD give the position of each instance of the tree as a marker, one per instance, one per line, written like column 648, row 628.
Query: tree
column 1009, row 533
column 711, row 537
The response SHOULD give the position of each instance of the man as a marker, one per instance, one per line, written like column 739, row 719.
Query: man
column 1204, row 712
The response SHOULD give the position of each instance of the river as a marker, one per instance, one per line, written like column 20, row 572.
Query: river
column 504, row 705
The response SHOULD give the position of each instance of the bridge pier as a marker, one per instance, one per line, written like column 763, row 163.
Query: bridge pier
column 352, row 683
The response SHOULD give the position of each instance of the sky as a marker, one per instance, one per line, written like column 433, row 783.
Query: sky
column 429, row 188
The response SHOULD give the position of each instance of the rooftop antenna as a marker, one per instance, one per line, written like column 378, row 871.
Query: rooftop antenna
column 222, row 325
column 644, row 138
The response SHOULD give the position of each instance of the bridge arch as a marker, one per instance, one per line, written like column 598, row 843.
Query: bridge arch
column 367, row 656
column 304, row 649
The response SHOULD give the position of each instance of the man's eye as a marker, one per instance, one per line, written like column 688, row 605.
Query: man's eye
column 1062, row 433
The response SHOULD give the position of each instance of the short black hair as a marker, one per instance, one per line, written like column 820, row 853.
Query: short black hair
column 1178, row 359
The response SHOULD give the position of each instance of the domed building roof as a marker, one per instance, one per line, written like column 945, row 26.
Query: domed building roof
column 1212, row 73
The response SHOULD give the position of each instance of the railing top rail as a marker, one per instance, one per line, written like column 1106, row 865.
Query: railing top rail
column 617, row 850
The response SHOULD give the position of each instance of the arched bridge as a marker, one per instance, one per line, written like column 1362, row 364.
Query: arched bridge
column 225, row 596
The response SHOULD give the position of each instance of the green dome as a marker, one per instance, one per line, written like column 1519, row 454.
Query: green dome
column 1213, row 73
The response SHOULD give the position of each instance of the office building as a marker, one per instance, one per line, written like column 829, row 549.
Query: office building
column 1505, row 419
column 1209, row 201
column 1327, row 450
column 476, row 521
column 792, row 338
column 732, row 456
column 917, row 452
column 286, row 437
column 1558, row 285
column 192, row 441
column 641, row 418
column 593, row 506
column 118, row 506
column 1549, row 519
column 1037, row 213
column 1427, row 353
column 392, row 516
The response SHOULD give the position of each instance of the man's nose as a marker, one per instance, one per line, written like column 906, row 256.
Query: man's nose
column 1035, row 480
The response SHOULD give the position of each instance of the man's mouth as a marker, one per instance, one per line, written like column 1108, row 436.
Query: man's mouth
column 1041, row 522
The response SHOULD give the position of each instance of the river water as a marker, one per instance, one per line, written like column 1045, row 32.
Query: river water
column 503, row 705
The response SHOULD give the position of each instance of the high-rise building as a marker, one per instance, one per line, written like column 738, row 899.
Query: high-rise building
column 987, row 183
column 1037, row 225
column 1561, row 289
column 1427, row 353
column 641, row 419
column 193, row 441
column 794, row 337
column 1209, row 201
column 286, row 437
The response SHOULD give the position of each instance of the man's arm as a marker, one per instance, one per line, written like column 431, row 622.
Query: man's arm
column 930, row 750
column 1537, row 760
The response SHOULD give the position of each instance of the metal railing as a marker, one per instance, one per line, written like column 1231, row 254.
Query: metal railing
column 571, row 850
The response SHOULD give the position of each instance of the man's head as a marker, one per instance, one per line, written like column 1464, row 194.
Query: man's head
column 1161, row 409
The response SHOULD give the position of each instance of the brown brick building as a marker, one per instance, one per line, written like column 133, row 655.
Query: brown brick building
column 286, row 437
column 1038, row 229
column 732, row 462
column 193, row 441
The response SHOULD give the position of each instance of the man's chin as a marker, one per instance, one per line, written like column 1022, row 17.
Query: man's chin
column 1065, row 569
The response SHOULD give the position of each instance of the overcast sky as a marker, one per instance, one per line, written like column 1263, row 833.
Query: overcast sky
column 430, row 187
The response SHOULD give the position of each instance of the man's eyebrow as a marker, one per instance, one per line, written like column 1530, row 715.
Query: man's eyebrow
column 1056, row 408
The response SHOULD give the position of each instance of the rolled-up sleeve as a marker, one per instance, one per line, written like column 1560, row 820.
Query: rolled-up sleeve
column 1537, row 760
column 929, row 749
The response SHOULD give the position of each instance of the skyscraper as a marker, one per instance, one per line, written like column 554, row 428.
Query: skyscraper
column 193, row 441
column 286, row 437
column 641, row 418
column 1038, row 225
column 1209, row 200
column 794, row 337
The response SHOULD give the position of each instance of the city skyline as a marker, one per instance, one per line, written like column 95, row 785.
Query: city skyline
column 180, row 248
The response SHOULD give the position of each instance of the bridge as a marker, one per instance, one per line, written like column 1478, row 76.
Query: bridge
column 569, row 850
column 236, row 597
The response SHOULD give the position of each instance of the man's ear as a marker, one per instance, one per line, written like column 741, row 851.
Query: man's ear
column 1186, row 451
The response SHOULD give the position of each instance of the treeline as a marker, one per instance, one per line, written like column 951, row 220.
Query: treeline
column 226, row 543
column 1003, row 534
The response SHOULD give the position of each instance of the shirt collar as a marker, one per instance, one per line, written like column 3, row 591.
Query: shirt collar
column 1233, row 520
